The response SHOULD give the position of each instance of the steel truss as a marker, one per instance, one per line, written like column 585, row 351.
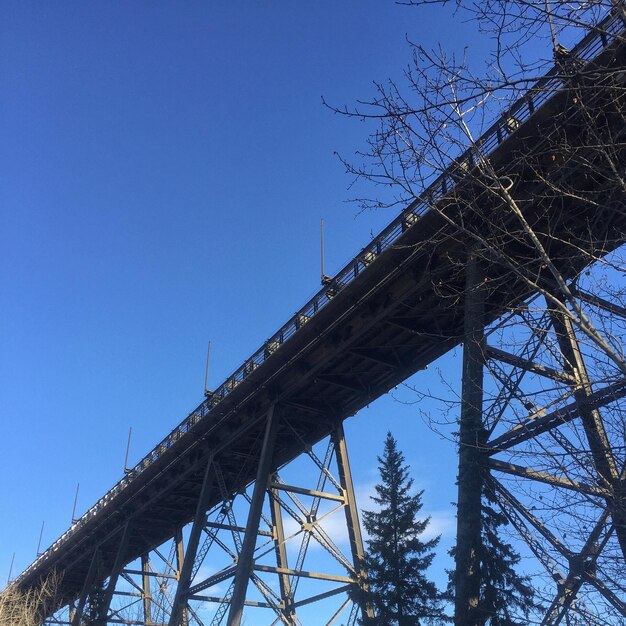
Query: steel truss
column 543, row 434
column 250, row 551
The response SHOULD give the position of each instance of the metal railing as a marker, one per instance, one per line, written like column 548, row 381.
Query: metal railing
column 607, row 31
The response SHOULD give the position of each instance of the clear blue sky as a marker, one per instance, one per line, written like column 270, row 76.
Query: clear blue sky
column 163, row 171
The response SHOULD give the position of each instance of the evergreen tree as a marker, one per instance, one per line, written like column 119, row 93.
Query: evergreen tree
column 506, row 597
column 397, row 558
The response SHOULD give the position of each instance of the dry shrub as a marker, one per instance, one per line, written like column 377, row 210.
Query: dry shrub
column 25, row 607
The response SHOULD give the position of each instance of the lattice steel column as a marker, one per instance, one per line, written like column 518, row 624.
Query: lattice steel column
column 179, row 548
column 91, row 588
column 281, row 553
column 244, row 564
column 555, row 451
column 192, row 547
column 593, row 424
column 352, row 520
column 146, row 592
column 101, row 612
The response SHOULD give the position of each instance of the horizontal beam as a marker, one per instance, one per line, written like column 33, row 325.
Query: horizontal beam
column 127, row 594
column 545, row 477
column 240, row 529
column 138, row 572
column 531, row 366
column 323, row 596
column 301, row 573
column 217, row 578
column 535, row 426
column 615, row 309
column 218, row 600
column 309, row 492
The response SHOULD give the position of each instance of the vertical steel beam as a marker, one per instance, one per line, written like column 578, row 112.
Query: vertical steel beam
column 146, row 593
column 590, row 416
column 180, row 559
column 87, row 586
column 352, row 521
column 471, row 435
column 244, row 564
column 286, row 594
column 180, row 551
column 180, row 599
column 103, row 608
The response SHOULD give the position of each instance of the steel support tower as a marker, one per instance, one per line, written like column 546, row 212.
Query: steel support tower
column 236, row 553
column 542, row 437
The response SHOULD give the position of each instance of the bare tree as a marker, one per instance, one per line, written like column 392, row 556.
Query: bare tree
column 20, row 607
column 523, row 165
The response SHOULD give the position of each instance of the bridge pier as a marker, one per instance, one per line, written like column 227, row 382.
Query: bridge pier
column 286, row 592
column 471, row 435
column 91, row 588
column 551, row 439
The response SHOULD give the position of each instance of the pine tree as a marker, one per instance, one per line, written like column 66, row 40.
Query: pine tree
column 506, row 597
column 397, row 558
column 505, row 594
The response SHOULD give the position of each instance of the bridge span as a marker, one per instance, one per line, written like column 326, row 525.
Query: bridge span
column 396, row 307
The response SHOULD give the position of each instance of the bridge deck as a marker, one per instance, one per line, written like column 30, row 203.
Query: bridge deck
column 390, row 312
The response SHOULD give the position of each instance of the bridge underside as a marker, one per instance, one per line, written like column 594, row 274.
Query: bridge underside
column 406, row 307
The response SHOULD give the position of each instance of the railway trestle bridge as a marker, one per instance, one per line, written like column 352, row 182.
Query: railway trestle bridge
column 541, row 419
